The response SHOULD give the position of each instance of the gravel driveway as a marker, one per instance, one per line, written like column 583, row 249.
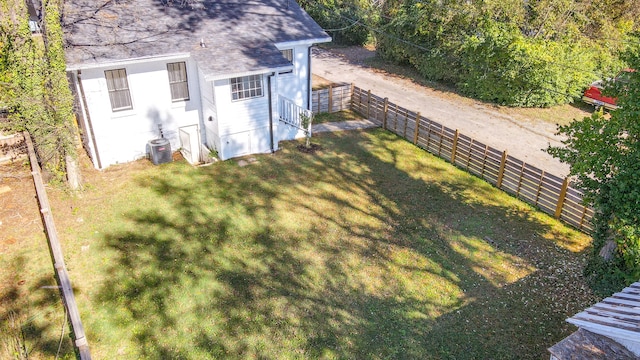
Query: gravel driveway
column 522, row 139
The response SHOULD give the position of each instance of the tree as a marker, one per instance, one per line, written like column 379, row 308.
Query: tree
column 533, row 53
column 604, row 154
column 35, row 90
column 345, row 20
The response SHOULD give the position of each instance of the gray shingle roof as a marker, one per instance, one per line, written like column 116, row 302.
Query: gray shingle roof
column 239, row 35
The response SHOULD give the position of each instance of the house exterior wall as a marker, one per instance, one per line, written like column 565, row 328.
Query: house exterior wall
column 231, row 127
column 122, row 136
column 243, row 125
column 295, row 85
column 209, row 113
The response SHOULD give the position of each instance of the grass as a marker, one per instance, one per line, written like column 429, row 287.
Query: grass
column 369, row 248
column 344, row 115
column 319, row 82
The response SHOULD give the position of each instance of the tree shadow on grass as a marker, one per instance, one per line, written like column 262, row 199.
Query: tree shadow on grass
column 32, row 316
column 354, row 252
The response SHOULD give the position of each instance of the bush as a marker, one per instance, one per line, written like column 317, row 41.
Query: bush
column 499, row 52
column 501, row 65
column 345, row 22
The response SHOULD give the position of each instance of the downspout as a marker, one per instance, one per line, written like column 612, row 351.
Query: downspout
column 270, row 111
column 87, row 117
column 309, row 79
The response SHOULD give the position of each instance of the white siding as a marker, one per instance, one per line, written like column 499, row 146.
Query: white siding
column 295, row 85
column 233, row 128
column 122, row 136
column 243, row 125
column 209, row 113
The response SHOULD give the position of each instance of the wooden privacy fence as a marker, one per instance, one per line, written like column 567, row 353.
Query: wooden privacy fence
column 551, row 194
column 331, row 99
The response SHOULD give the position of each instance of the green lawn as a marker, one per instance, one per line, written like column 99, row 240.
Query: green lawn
column 344, row 115
column 368, row 249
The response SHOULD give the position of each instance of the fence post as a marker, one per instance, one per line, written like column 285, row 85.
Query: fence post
column 406, row 120
column 330, row 106
column 415, row 134
column 563, row 194
column 351, row 92
column 386, row 110
column 454, row 148
column 368, row 103
column 503, row 162
column 395, row 119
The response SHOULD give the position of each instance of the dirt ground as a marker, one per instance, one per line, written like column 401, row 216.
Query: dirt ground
column 523, row 133
column 19, row 215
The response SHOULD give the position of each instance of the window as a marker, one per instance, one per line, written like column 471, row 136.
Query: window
column 118, row 89
column 178, row 81
column 246, row 87
column 288, row 54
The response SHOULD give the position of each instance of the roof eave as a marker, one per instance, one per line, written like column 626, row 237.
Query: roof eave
column 214, row 77
column 124, row 62
column 303, row 42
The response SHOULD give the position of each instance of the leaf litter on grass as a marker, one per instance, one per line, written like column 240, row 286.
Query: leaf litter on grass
column 368, row 249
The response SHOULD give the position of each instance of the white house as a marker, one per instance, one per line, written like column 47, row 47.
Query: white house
column 229, row 76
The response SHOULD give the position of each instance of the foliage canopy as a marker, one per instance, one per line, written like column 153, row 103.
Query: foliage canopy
column 535, row 53
column 604, row 154
column 35, row 90
column 344, row 20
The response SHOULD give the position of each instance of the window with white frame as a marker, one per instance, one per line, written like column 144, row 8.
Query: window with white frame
column 178, row 81
column 118, row 87
column 246, row 87
column 288, row 54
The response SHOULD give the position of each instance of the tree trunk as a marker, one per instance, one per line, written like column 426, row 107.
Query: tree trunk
column 73, row 173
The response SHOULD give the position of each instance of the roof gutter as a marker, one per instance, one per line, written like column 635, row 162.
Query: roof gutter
column 140, row 60
column 247, row 73
column 285, row 44
column 309, row 80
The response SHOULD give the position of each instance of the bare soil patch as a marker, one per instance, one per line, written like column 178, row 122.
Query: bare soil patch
column 19, row 215
column 311, row 149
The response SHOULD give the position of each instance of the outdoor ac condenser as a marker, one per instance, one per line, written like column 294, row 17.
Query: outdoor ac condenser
column 160, row 151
